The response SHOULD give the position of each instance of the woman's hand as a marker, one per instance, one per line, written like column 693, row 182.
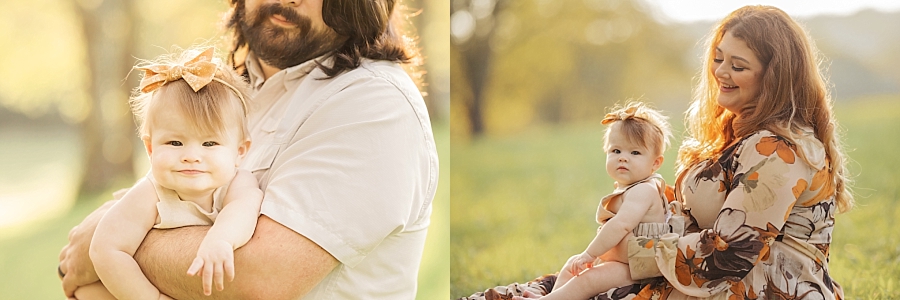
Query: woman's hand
column 74, row 261
column 579, row 262
column 214, row 262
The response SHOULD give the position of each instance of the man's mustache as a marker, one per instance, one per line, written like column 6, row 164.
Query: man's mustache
column 268, row 10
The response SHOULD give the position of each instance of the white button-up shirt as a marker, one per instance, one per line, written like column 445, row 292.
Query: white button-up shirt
column 349, row 163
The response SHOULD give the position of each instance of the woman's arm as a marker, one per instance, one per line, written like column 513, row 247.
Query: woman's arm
column 232, row 229
column 118, row 235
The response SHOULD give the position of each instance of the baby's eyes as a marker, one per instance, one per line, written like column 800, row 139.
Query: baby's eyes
column 616, row 151
column 635, row 153
column 175, row 143
column 210, row 144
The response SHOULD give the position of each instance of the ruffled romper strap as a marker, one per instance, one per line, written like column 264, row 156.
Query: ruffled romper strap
column 604, row 215
column 174, row 212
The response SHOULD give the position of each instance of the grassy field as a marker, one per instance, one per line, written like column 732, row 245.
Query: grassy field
column 28, row 256
column 523, row 204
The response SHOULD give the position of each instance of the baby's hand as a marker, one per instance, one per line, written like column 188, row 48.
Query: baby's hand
column 580, row 262
column 215, row 260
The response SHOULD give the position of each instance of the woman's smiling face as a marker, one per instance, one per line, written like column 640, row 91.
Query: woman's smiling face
column 738, row 72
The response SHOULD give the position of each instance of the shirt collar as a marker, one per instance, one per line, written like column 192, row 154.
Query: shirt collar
column 290, row 75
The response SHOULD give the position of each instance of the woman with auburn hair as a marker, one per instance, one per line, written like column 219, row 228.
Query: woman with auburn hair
column 760, row 175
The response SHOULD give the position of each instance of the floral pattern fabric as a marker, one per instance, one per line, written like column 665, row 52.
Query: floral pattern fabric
column 766, row 236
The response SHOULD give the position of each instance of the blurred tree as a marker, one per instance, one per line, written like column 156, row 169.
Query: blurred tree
column 108, row 129
column 541, row 61
column 472, row 28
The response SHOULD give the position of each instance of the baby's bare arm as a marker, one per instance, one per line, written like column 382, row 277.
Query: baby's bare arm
column 240, row 210
column 233, row 228
column 117, row 237
column 635, row 204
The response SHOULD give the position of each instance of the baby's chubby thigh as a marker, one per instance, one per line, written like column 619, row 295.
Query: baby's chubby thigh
column 608, row 275
column 618, row 253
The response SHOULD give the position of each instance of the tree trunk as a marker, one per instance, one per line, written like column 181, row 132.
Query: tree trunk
column 477, row 57
column 477, row 60
column 108, row 133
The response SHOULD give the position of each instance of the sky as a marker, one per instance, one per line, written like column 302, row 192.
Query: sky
column 709, row 10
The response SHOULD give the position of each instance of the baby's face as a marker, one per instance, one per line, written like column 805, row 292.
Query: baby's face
column 627, row 162
column 191, row 163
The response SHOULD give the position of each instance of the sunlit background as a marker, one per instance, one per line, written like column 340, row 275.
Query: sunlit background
column 533, row 78
column 67, row 138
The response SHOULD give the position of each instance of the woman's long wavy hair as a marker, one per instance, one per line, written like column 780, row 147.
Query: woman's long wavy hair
column 372, row 30
column 793, row 94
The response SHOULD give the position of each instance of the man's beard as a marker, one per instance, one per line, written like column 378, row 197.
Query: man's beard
column 284, row 47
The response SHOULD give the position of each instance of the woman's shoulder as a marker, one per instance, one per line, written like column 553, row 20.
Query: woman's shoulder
column 803, row 140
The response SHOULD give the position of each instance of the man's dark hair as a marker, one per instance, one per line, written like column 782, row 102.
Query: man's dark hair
column 371, row 29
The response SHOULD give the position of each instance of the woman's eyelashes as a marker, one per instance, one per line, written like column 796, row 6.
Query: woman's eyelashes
column 733, row 67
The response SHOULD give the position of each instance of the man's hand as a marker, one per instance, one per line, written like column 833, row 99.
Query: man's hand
column 214, row 261
column 74, row 260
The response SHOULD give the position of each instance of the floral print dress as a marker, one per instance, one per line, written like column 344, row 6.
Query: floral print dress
column 758, row 226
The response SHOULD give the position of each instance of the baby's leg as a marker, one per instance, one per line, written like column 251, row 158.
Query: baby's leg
column 93, row 291
column 594, row 281
column 561, row 278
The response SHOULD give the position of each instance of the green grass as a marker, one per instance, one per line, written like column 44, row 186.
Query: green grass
column 523, row 204
column 29, row 256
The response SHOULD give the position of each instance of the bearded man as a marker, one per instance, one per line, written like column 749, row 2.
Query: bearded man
column 343, row 150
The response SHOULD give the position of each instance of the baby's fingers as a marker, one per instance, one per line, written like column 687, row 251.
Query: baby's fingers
column 207, row 279
column 229, row 269
column 195, row 266
column 219, row 277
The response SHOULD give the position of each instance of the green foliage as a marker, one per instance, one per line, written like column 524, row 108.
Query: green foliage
column 549, row 69
column 523, row 204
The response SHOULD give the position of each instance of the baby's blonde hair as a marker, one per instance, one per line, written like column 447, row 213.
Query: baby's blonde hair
column 210, row 110
column 641, row 125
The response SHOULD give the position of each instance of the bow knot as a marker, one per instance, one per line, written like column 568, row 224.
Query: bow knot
column 197, row 72
column 619, row 115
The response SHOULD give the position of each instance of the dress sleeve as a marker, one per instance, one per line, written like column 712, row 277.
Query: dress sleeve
column 767, row 180
column 360, row 168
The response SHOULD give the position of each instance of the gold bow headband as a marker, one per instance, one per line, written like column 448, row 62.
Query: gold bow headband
column 620, row 115
column 197, row 72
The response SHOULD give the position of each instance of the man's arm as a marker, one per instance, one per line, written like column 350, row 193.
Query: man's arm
column 274, row 257
column 277, row 263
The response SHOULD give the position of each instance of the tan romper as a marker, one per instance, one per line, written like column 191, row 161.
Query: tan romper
column 174, row 212
column 642, row 263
